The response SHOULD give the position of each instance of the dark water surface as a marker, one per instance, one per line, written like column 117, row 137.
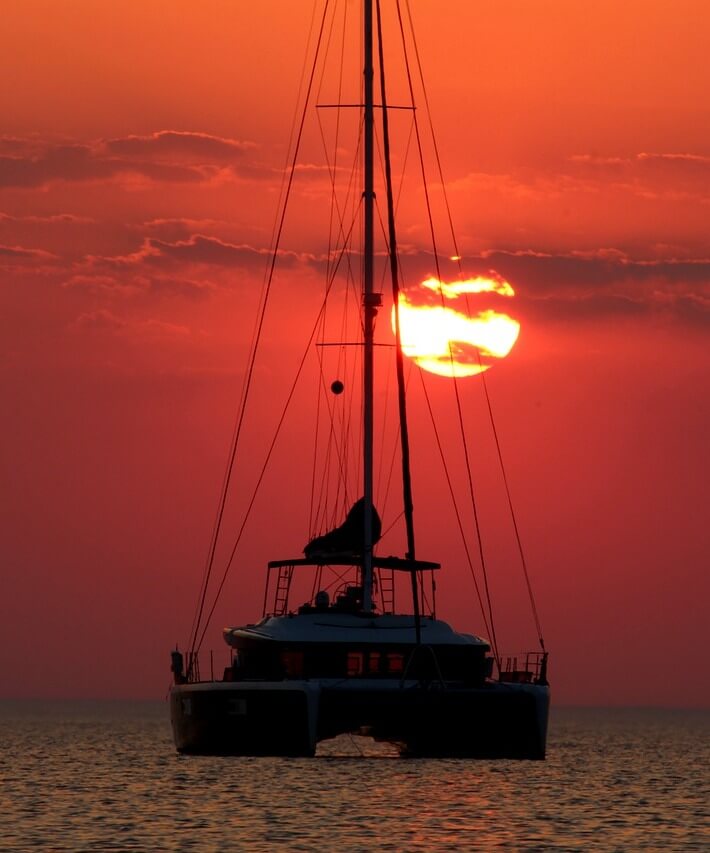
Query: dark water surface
column 105, row 777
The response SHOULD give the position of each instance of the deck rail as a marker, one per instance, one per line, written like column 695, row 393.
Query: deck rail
column 524, row 668
column 188, row 668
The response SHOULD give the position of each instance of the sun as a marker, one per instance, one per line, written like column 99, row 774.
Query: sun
column 456, row 329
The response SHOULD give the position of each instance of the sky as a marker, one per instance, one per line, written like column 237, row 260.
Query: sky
column 142, row 151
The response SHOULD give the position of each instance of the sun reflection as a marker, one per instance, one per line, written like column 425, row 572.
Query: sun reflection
column 457, row 341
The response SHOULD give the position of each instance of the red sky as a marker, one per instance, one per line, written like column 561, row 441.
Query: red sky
column 141, row 152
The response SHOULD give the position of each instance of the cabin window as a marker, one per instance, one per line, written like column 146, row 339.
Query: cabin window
column 395, row 662
column 373, row 662
column 292, row 664
column 355, row 663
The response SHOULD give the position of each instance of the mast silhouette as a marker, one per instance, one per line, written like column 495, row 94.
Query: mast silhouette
column 401, row 385
column 371, row 301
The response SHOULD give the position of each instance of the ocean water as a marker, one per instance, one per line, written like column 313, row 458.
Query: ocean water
column 105, row 777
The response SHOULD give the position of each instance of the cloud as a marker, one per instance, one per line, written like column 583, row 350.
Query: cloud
column 48, row 220
column 181, row 269
column 190, row 289
column 186, row 146
column 100, row 320
column 105, row 322
column 606, row 282
column 19, row 253
column 582, row 285
column 164, row 156
column 141, row 285
column 172, row 228
column 583, row 178
column 158, row 330
column 597, row 268
column 199, row 249
column 81, row 163
column 16, row 144
column 645, row 158
column 650, row 174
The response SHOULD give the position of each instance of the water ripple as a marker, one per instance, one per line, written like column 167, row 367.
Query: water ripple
column 105, row 777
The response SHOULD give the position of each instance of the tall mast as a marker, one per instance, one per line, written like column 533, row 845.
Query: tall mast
column 370, row 302
column 401, row 385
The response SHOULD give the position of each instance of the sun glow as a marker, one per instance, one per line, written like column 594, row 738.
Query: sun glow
column 456, row 341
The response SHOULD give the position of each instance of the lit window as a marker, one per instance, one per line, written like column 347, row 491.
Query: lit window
column 355, row 663
column 395, row 662
column 292, row 664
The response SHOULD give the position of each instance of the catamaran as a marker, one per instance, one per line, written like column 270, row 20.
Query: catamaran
column 334, row 650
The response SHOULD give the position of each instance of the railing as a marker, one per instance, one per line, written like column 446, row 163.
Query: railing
column 187, row 669
column 525, row 668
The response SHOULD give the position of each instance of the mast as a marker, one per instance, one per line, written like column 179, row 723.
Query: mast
column 401, row 385
column 371, row 301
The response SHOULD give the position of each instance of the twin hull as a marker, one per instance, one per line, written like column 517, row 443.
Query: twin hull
column 495, row 720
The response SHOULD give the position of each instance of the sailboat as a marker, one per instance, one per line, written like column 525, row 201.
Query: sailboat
column 344, row 658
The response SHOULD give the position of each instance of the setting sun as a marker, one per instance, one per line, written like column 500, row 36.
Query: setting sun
column 452, row 329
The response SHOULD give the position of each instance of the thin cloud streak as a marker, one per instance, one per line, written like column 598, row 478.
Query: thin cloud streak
column 166, row 156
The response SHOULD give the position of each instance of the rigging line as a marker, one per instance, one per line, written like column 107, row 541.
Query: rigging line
column 342, row 445
column 417, row 579
column 393, row 458
column 315, row 440
column 332, row 441
column 458, row 402
column 469, row 477
column 333, row 200
column 392, row 524
column 313, row 525
column 483, row 379
column 333, row 449
column 346, row 364
column 394, row 271
column 404, row 170
column 431, row 130
column 384, row 409
column 345, row 416
column 261, row 306
column 326, row 52
column 248, row 510
column 385, row 403
column 455, row 381
column 225, row 480
column 452, row 493
column 333, row 169
column 255, row 347
column 319, row 521
column 349, row 190
column 293, row 124
column 350, row 439
column 349, row 276
column 399, row 260
column 255, row 492
column 518, row 539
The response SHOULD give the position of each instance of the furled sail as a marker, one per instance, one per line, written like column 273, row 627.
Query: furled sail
column 348, row 538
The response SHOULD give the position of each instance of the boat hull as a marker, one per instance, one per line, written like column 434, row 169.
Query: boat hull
column 250, row 718
column 493, row 721
column 496, row 720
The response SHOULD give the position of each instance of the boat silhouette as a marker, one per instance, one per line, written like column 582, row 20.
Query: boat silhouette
column 348, row 657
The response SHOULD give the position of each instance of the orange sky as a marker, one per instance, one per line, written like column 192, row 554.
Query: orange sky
column 141, row 149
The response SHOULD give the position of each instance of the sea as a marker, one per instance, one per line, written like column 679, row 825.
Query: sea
column 104, row 776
